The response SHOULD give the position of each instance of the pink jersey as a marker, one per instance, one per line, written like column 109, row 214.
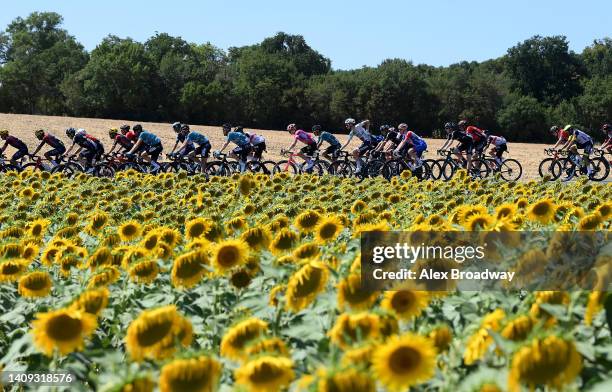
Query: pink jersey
column 304, row 137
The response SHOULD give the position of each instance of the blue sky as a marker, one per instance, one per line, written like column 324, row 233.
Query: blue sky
column 351, row 33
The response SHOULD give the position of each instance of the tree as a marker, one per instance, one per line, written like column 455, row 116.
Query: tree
column 598, row 57
column 524, row 119
column 544, row 68
column 36, row 57
column 595, row 105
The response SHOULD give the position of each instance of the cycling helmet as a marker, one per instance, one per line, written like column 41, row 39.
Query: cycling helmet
column 39, row 133
column 384, row 128
column 124, row 127
column 450, row 125
column 137, row 128
column 239, row 128
column 568, row 127
column 316, row 128
column 176, row 126
column 402, row 125
column 226, row 126
column 350, row 121
column 70, row 132
column 4, row 133
column 290, row 127
column 113, row 132
column 606, row 127
column 554, row 129
column 80, row 132
column 184, row 127
column 462, row 123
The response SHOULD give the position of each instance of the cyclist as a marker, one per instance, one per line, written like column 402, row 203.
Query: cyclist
column 57, row 146
column 334, row 145
column 242, row 149
column 180, row 139
column 199, row 153
column 361, row 132
column 466, row 143
column 607, row 144
column 561, row 135
column 579, row 140
column 416, row 146
column 391, row 138
column 119, row 139
column 258, row 145
column 149, row 144
column 308, row 150
column 87, row 148
column 16, row 143
column 498, row 148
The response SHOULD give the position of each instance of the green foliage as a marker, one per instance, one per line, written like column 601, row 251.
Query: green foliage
column 282, row 80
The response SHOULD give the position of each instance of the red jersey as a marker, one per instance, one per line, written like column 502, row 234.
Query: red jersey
column 475, row 133
column 131, row 135
column 563, row 135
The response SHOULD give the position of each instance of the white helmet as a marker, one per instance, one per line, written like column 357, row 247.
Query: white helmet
column 350, row 121
column 80, row 132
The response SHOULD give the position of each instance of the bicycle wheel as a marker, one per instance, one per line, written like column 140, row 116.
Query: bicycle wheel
column 447, row 170
column 434, row 169
column 510, row 170
column 32, row 167
column 566, row 169
column 285, row 167
column 479, row 169
column 66, row 169
column 392, row 168
column 600, row 169
column 374, row 168
column 8, row 167
column 546, row 168
column 344, row 169
column 104, row 170
column 218, row 168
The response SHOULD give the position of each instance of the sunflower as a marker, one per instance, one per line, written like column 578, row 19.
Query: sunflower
column 101, row 257
column 189, row 268
column 328, row 229
column 170, row 236
column 478, row 343
column 518, row 329
column 229, row 254
column 551, row 361
column 30, row 251
column 11, row 270
column 236, row 224
column 129, row 231
column 359, row 356
column 37, row 228
column 275, row 346
column 63, row 329
column 347, row 380
column 283, row 241
column 197, row 228
column 92, row 301
column 11, row 251
column 152, row 332
column 35, row 284
column 590, row 222
column 257, row 237
column 542, row 211
column 306, row 251
column 604, row 209
column 151, row 240
column 139, row 383
column 405, row 304
column 307, row 221
column 479, row 222
column 107, row 276
column 305, row 284
column 441, row 337
column 352, row 294
column 97, row 222
column 265, row 374
column 594, row 305
column 196, row 374
column 404, row 361
column 350, row 329
column 144, row 271
column 238, row 337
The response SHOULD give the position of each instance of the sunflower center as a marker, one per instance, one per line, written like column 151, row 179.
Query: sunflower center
column 63, row 328
column 402, row 301
column 36, row 282
column 310, row 284
column 129, row 230
column 196, row 230
column 328, row 231
column 190, row 381
column 228, row 256
column 188, row 267
column 285, row 241
column 36, row 230
column 154, row 331
column 404, row 359
column 265, row 373
column 541, row 209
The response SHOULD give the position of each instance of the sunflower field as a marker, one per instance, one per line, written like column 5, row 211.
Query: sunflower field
column 252, row 283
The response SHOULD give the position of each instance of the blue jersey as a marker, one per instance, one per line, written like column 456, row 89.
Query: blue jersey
column 180, row 138
column 149, row 139
column 329, row 138
column 238, row 138
column 197, row 138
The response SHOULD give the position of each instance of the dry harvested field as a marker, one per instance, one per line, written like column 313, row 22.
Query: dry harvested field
column 23, row 125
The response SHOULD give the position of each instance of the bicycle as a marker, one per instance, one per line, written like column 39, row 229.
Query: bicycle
column 222, row 167
column 548, row 164
column 35, row 164
column 571, row 166
column 137, row 163
column 289, row 165
column 342, row 166
column 396, row 166
column 6, row 165
column 509, row 169
column 68, row 166
column 449, row 166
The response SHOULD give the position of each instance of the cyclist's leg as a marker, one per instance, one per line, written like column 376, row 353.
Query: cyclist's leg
column 154, row 153
column 18, row 155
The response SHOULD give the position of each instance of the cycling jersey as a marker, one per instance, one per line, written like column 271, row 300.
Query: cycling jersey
column 497, row 140
column 475, row 133
column 304, row 137
column 563, row 135
column 580, row 136
column 361, row 133
column 83, row 142
column 329, row 138
column 149, row 139
column 52, row 141
column 197, row 138
column 92, row 138
column 377, row 139
column 460, row 136
column 124, row 142
column 15, row 143
column 256, row 139
column 180, row 137
column 131, row 135
column 238, row 138
column 413, row 138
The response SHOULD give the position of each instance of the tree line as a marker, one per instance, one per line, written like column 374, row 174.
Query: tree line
column 538, row 82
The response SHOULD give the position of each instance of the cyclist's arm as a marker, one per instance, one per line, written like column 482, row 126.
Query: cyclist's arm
column 293, row 145
column 319, row 142
column 447, row 143
column 38, row 148
column 113, row 148
column 569, row 142
column 224, row 146
column 348, row 141
column 77, row 151
column 138, row 144
column 400, row 146
column 175, row 145
column 3, row 148
column 70, row 149
column 606, row 143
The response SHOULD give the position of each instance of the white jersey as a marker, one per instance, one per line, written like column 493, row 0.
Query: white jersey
column 256, row 139
column 361, row 133
column 497, row 140
column 581, row 137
